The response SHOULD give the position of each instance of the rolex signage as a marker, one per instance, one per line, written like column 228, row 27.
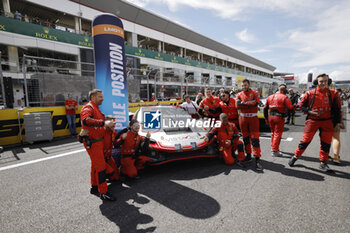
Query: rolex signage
column 45, row 34
column 86, row 42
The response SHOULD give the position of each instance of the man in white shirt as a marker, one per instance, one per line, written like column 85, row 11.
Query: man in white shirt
column 190, row 106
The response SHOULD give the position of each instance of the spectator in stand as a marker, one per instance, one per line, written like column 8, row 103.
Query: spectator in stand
column 53, row 24
column 36, row 20
column 18, row 15
column 26, row 18
column 71, row 107
column 47, row 23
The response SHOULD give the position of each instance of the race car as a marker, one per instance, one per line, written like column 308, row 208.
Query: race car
column 261, row 117
column 175, row 135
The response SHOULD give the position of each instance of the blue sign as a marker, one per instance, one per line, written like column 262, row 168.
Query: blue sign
column 109, row 52
column 152, row 119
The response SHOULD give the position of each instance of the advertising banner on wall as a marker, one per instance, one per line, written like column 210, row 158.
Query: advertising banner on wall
column 109, row 52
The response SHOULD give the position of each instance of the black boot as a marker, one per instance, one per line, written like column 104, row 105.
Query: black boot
column 324, row 167
column 292, row 161
column 258, row 164
column 240, row 164
column 94, row 190
column 107, row 197
column 248, row 158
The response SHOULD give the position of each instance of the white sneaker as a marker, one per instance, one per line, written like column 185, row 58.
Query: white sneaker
column 276, row 153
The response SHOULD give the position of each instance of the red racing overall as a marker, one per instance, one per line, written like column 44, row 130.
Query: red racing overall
column 224, row 133
column 274, row 111
column 130, row 161
column 230, row 108
column 247, row 102
column 111, row 166
column 93, row 120
column 213, row 104
column 321, row 101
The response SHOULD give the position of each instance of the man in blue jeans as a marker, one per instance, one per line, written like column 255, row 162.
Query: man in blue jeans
column 71, row 106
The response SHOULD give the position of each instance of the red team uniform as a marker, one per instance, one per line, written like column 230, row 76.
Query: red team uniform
column 230, row 108
column 326, row 102
column 93, row 120
column 130, row 160
column 274, row 111
column 224, row 133
column 213, row 104
column 247, row 102
column 111, row 166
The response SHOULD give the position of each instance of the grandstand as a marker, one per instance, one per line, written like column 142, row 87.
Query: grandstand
column 47, row 52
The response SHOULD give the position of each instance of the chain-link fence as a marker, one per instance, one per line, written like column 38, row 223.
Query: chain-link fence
column 48, row 81
column 42, row 81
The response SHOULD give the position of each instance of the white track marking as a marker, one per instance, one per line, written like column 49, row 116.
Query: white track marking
column 282, row 139
column 40, row 160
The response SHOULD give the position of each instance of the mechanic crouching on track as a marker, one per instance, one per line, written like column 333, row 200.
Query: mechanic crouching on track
column 247, row 103
column 274, row 112
column 95, row 124
column 228, row 139
column 131, row 146
column 323, row 107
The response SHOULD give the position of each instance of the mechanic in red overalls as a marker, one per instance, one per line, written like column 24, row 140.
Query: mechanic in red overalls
column 228, row 106
column 274, row 112
column 322, row 106
column 112, row 172
column 111, row 167
column 247, row 103
column 94, row 121
column 131, row 145
column 228, row 139
column 209, row 105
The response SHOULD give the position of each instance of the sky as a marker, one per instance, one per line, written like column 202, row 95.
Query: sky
column 294, row 36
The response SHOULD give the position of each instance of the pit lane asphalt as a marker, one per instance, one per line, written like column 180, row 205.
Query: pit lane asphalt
column 189, row 196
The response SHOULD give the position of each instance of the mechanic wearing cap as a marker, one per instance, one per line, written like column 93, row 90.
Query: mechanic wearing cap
column 274, row 111
column 322, row 106
column 209, row 106
column 291, row 113
column 228, row 138
column 95, row 124
column 228, row 106
column 247, row 103
column 131, row 146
